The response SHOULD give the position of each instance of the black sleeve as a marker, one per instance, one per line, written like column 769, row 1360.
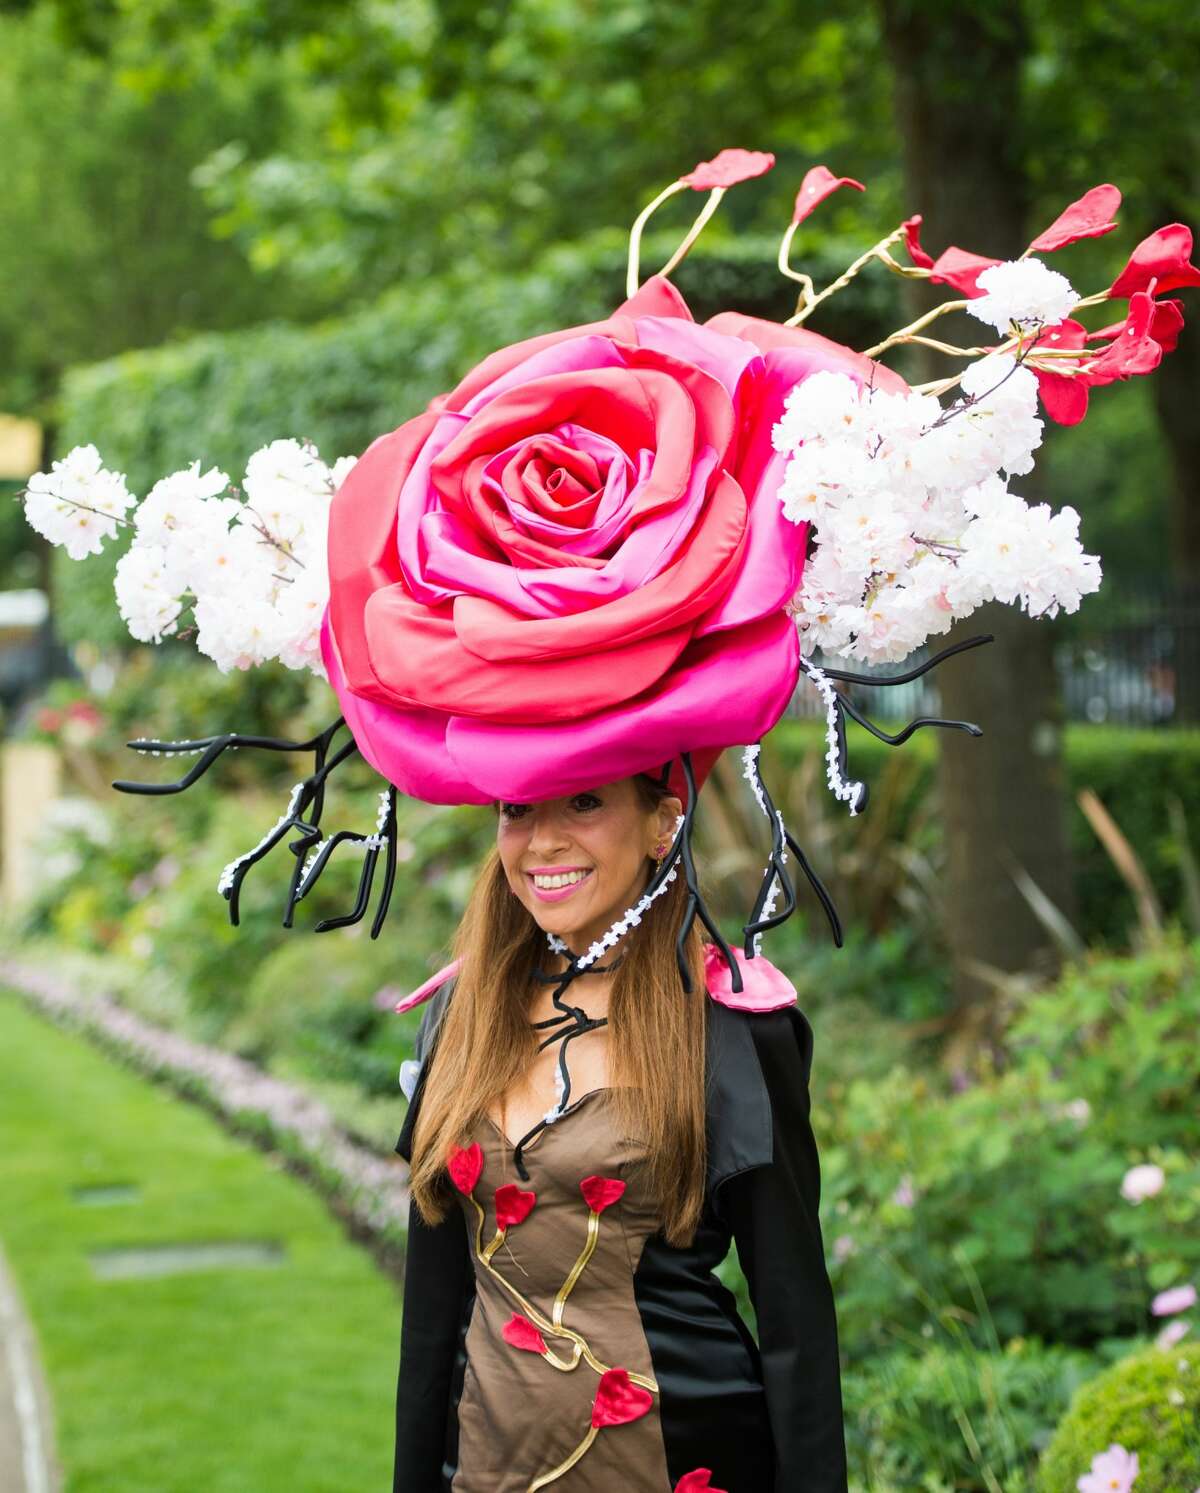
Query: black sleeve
column 772, row 1211
column 439, row 1293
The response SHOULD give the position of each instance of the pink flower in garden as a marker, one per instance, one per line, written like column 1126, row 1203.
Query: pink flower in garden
column 1142, row 1182
column 905, row 1195
column 1112, row 1471
column 1172, row 1333
column 727, row 168
column 1177, row 1299
column 816, row 186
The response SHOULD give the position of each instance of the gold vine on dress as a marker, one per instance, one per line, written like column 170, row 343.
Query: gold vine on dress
column 621, row 1396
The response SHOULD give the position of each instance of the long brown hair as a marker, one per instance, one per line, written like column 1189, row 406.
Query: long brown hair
column 656, row 1043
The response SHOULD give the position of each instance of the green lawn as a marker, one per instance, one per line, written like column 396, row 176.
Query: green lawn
column 220, row 1381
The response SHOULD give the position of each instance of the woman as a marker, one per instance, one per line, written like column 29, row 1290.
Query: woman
column 588, row 1339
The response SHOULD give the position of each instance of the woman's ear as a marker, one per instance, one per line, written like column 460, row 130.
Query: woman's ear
column 669, row 810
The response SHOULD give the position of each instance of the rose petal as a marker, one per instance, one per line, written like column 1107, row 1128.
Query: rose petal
column 512, row 1205
column 601, row 1192
column 519, row 1332
column 618, row 1401
column 1089, row 217
column 465, row 1167
column 727, row 168
column 819, row 183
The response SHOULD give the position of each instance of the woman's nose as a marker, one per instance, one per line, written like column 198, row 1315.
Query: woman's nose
column 549, row 831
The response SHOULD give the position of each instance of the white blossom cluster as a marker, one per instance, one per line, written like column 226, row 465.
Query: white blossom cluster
column 909, row 504
column 1022, row 293
column 252, row 566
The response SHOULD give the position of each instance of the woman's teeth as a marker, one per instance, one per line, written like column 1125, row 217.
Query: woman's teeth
column 565, row 878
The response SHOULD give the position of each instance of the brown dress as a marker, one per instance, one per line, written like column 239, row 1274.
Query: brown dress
column 521, row 1418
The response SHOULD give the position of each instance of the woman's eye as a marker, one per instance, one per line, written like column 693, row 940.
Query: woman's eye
column 513, row 811
column 583, row 803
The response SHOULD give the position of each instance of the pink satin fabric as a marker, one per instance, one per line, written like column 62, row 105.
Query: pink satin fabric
column 573, row 566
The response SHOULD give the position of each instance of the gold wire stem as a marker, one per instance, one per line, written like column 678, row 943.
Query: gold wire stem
column 915, row 326
column 536, row 1317
column 556, row 1472
column 697, row 228
column 808, row 304
column 557, row 1363
column 494, row 1244
column 635, row 233
column 577, row 1268
column 785, row 249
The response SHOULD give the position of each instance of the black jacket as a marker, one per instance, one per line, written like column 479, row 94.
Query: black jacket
column 765, row 1417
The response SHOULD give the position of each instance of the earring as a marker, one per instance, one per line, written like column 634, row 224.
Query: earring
column 660, row 853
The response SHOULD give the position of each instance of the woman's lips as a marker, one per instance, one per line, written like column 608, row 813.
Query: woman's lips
column 557, row 893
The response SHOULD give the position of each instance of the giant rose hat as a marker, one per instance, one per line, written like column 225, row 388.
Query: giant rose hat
column 617, row 548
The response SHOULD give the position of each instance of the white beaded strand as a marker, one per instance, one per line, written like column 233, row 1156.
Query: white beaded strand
column 848, row 791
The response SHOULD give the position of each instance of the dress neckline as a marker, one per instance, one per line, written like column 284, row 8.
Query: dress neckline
column 570, row 1109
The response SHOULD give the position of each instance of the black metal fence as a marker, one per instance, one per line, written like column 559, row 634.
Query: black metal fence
column 1129, row 656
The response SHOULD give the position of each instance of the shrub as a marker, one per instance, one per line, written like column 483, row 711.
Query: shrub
column 954, row 1414
column 1150, row 1404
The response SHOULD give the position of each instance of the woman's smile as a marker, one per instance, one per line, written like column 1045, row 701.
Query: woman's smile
column 557, row 883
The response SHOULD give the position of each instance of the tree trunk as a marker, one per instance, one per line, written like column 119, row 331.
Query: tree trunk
column 956, row 69
column 1175, row 384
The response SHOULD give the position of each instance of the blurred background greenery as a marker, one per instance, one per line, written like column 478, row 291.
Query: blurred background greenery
column 236, row 220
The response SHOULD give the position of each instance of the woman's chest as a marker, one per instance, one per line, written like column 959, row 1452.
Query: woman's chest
column 527, row 1102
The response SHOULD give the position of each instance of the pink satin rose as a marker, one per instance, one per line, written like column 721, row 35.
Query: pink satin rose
column 574, row 566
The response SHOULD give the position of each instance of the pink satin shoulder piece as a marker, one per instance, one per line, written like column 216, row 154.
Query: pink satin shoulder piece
column 430, row 987
column 764, row 988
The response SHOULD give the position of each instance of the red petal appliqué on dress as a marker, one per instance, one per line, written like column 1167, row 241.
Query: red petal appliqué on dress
column 512, row 1205
column 697, row 1482
column 600, row 1192
column 520, row 1332
column 465, row 1166
column 618, row 1401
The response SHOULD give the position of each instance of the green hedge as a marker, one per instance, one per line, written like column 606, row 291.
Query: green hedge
column 1149, row 1404
column 1133, row 772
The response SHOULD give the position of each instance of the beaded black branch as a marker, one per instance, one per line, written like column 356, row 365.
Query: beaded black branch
column 311, row 849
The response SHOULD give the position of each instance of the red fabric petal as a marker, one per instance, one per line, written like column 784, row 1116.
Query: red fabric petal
column 960, row 268
column 1166, row 324
column 618, row 1401
column 912, row 242
column 1133, row 351
column 465, row 1166
column 512, row 1205
column 600, row 1192
column 1164, row 257
column 1064, row 399
column 1090, row 217
column 697, row 1482
column 1066, row 333
column 727, row 168
column 520, row 1332
column 816, row 186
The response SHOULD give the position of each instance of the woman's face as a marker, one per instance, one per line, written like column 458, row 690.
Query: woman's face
column 579, row 863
